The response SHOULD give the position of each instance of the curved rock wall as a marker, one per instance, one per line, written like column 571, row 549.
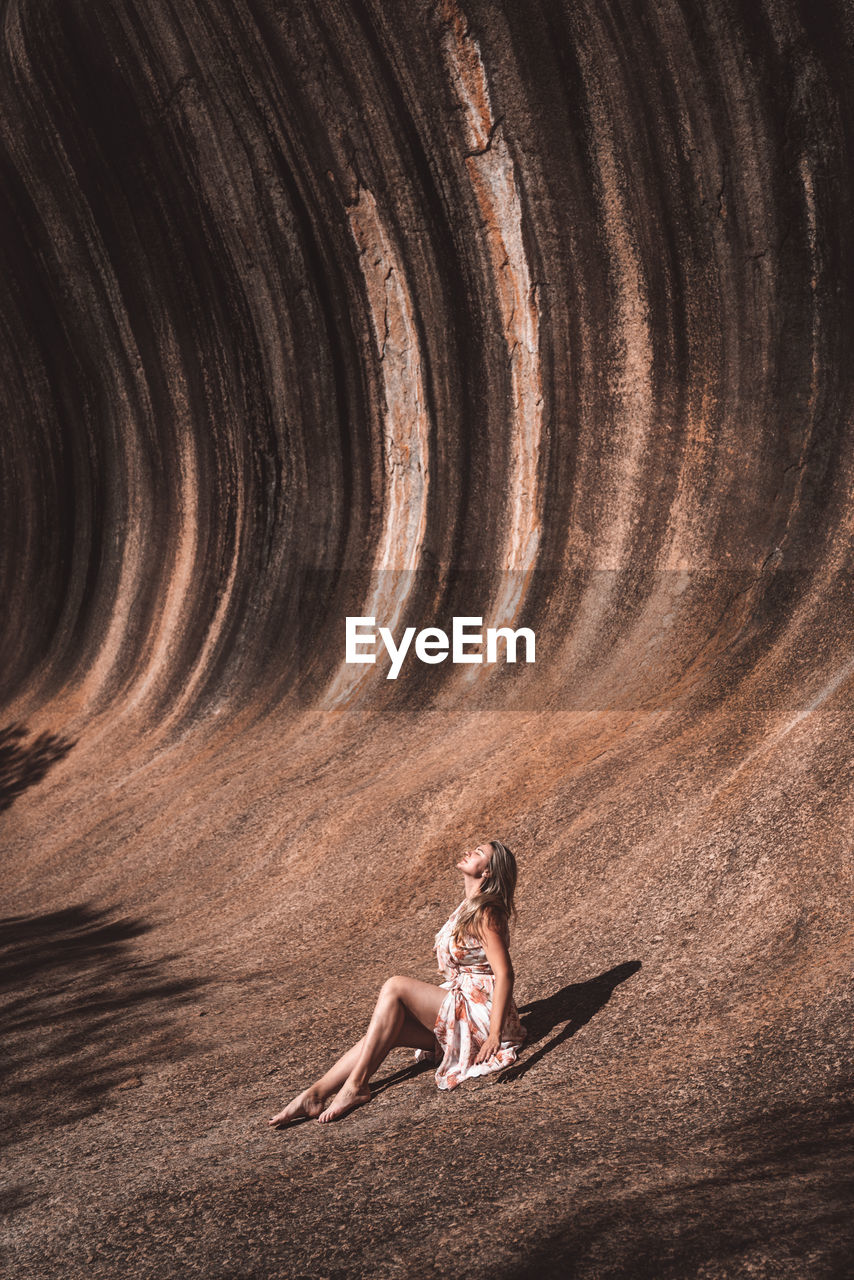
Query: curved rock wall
column 554, row 295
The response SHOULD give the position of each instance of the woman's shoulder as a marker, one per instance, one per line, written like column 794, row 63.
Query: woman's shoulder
column 496, row 917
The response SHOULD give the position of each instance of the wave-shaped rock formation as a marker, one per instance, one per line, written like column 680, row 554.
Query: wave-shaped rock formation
column 532, row 310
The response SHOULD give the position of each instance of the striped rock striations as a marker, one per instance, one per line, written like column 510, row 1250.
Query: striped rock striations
column 537, row 312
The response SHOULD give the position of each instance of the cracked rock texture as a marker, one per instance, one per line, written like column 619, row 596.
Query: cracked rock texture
column 535, row 310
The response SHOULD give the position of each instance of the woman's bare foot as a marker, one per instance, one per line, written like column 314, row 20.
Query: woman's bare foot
column 307, row 1103
column 347, row 1097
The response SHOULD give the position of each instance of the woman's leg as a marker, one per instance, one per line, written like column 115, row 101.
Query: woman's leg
column 311, row 1101
column 412, row 1034
column 405, row 1014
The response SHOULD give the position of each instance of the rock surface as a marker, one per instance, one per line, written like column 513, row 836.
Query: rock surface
column 536, row 310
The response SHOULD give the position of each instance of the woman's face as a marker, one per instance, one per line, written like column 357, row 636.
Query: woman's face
column 475, row 861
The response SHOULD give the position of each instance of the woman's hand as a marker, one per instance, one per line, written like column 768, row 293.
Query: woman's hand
column 491, row 1045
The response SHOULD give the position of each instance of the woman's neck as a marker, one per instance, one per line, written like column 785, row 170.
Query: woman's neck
column 472, row 885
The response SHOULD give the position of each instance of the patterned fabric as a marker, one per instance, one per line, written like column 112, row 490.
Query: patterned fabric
column 462, row 1024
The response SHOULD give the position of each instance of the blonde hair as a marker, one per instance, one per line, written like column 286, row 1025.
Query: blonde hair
column 493, row 902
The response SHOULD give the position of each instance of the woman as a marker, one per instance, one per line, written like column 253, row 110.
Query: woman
column 469, row 1025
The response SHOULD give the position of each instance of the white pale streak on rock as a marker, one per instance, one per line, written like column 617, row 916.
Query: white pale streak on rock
column 177, row 607
column 774, row 738
column 186, row 566
column 494, row 182
column 406, row 438
column 812, row 233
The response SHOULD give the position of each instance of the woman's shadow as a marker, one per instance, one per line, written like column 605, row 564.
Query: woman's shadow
column 573, row 1006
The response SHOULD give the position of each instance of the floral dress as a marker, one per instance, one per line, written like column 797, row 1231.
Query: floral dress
column 462, row 1024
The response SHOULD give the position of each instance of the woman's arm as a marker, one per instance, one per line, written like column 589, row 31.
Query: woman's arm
column 500, row 964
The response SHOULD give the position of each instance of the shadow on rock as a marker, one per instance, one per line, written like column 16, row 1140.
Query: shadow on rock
column 776, row 1185
column 574, row 1006
column 81, row 1015
column 23, row 766
column 398, row 1077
